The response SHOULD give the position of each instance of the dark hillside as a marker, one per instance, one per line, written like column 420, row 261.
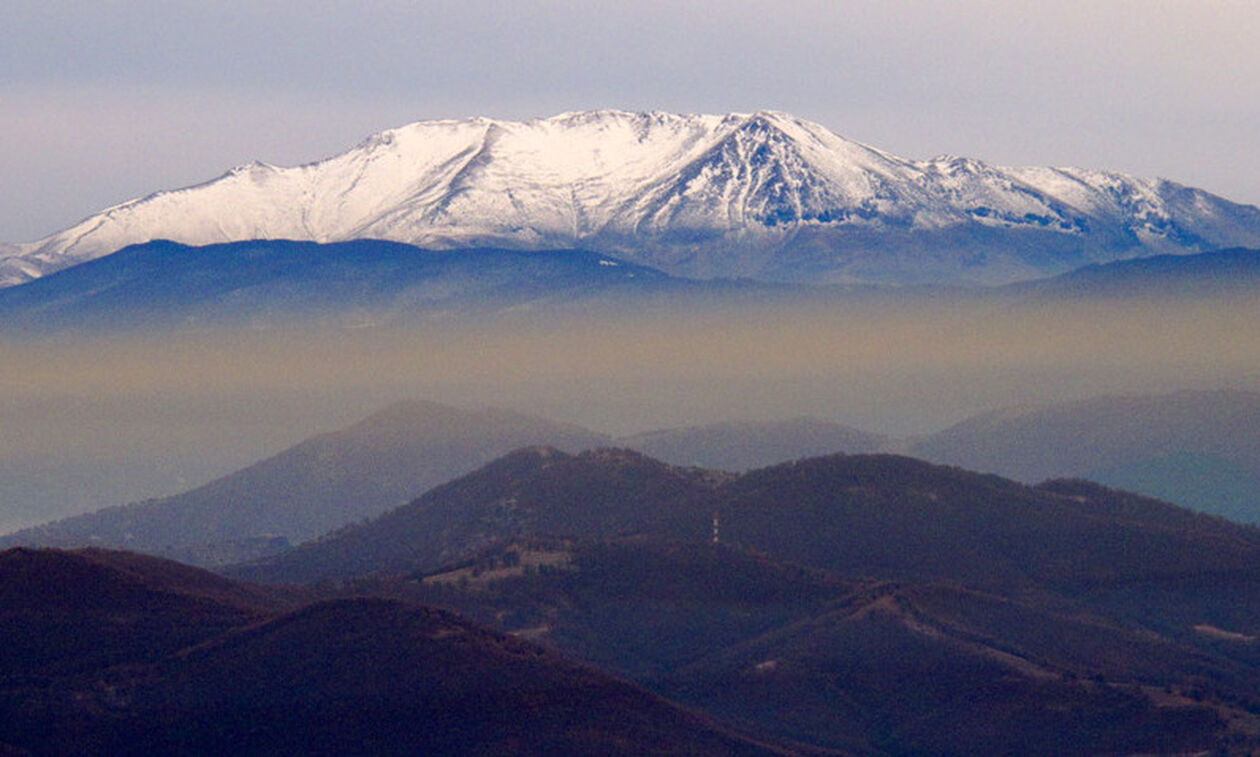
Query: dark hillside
column 532, row 492
column 638, row 606
column 378, row 677
column 877, row 516
column 936, row 670
column 894, row 517
column 804, row 656
column 867, row 603
column 73, row 611
column 113, row 653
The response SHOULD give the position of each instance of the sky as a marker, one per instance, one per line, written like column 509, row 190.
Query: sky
column 105, row 101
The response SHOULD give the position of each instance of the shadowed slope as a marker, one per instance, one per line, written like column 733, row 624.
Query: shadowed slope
column 861, row 666
column 1217, row 274
column 373, row 676
column 880, row 516
column 940, row 670
column 896, row 517
column 536, row 491
column 263, row 283
column 72, row 611
column 115, row 653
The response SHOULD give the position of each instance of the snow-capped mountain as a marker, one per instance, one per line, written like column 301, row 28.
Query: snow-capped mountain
column 764, row 195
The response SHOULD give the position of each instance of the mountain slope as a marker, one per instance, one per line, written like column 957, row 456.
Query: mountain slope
column 133, row 656
column 1150, row 435
column 264, row 283
column 861, row 666
column 941, row 670
column 764, row 195
column 537, row 491
column 65, row 612
column 899, row 518
column 881, row 516
column 1203, row 482
column 321, row 484
column 1208, row 275
column 379, row 677
column 868, row 603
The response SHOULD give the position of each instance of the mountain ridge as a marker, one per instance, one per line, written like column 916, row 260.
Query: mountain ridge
column 898, row 518
column 317, row 485
column 352, row 284
column 1164, row 441
column 933, row 606
column 764, row 194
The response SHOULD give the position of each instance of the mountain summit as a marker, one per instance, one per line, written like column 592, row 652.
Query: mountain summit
column 763, row 195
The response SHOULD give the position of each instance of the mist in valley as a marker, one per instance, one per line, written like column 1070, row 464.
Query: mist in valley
column 92, row 422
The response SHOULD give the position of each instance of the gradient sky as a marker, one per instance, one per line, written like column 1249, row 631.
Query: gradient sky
column 104, row 101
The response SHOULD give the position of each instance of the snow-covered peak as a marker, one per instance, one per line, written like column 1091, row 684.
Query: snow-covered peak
column 694, row 194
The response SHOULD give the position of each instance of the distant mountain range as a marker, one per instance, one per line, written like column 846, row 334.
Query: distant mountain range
column 320, row 485
column 357, row 284
column 335, row 479
column 261, row 284
column 1197, row 449
column 1227, row 273
column 762, row 195
column 1200, row 449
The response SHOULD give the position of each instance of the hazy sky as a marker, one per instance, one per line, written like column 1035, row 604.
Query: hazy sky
column 104, row 101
